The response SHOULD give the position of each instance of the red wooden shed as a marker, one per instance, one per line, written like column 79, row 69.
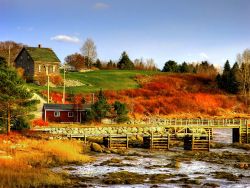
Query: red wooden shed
column 65, row 113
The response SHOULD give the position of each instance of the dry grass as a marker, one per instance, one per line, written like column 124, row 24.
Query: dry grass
column 26, row 162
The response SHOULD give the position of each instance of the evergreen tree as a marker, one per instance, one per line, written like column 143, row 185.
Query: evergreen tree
column 15, row 98
column 100, row 108
column 170, row 66
column 234, row 79
column 125, row 63
column 184, row 67
column 121, row 112
column 98, row 64
column 225, row 79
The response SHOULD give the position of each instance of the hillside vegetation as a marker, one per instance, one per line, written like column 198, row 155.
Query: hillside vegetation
column 179, row 95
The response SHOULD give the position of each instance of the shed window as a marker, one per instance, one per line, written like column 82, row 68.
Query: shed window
column 70, row 114
column 39, row 68
column 57, row 114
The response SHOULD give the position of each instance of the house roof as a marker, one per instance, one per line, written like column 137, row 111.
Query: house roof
column 66, row 107
column 42, row 54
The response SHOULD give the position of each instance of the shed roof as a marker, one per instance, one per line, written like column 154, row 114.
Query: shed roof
column 42, row 54
column 66, row 107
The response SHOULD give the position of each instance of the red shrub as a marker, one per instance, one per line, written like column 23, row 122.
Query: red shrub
column 39, row 122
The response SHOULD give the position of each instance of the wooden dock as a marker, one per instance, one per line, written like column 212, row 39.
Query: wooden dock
column 116, row 141
column 196, row 133
column 160, row 142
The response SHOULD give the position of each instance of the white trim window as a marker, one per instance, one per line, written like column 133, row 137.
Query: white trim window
column 70, row 114
column 54, row 68
column 56, row 114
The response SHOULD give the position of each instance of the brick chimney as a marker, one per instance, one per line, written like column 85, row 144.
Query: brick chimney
column 39, row 46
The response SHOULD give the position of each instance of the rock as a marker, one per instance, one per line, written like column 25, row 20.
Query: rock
column 96, row 147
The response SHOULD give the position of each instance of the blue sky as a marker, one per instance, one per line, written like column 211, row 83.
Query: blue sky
column 182, row 30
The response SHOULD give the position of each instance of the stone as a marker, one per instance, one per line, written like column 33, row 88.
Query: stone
column 96, row 147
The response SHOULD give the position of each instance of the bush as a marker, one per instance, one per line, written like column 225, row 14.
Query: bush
column 20, row 124
column 39, row 122
column 56, row 79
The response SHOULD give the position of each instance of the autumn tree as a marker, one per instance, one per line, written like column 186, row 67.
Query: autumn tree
column 244, row 76
column 206, row 68
column 76, row 60
column 89, row 51
column 125, row 63
column 15, row 98
column 9, row 50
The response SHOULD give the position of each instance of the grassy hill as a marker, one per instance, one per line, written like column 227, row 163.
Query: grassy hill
column 94, row 80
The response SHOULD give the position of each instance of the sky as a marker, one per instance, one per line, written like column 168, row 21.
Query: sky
column 180, row 30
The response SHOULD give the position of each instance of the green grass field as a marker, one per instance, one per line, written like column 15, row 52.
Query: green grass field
column 94, row 80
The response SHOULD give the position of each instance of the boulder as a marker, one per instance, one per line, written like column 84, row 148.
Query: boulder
column 96, row 147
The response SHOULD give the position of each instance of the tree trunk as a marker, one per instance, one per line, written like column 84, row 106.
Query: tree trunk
column 8, row 119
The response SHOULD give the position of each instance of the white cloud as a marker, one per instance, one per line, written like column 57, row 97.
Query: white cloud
column 65, row 38
column 101, row 6
column 203, row 55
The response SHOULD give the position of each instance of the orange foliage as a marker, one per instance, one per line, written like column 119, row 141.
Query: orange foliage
column 39, row 122
column 176, row 93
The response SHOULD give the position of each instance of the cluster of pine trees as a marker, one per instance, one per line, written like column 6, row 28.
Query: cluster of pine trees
column 101, row 109
column 229, row 79
column 200, row 68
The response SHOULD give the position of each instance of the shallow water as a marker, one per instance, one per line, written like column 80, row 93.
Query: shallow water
column 192, row 169
column 146, row 162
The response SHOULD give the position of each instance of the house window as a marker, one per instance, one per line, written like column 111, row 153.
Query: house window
column 54, row 68
column 70, row 114
column 57, row 114
column 39, row 68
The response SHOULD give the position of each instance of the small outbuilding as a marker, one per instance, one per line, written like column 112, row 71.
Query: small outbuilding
column 65, row 113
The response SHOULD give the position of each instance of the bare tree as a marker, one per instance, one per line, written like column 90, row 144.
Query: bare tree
column 244, row 76
column 89, row 51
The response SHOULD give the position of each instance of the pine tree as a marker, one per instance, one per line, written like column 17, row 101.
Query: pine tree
column 234, row 79
column 225, row 78
column 15, row 98
column 121, row 111
column 98, row 64
column 125, row 63
column 184, row 67
column 100, row 108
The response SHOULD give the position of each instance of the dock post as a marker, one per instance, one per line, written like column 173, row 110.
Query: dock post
column 127, row 141
column 152, row 140
column 168, row 140
column 209, row 140
column 192, row 142
column 85, row 139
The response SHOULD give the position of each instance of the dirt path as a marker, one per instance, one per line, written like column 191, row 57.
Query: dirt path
column 38, row 112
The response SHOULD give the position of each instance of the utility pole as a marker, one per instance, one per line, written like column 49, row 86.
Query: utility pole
column 48, row 89
column 64, row 85
column 9, row 57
